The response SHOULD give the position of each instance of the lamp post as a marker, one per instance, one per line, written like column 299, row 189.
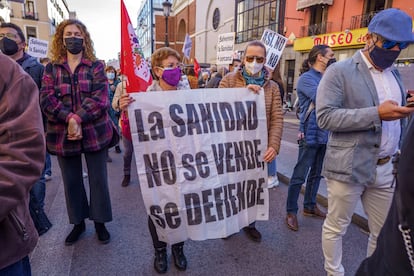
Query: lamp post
column 167, row 9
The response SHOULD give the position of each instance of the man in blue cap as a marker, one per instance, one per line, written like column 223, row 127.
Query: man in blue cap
column 361, row 101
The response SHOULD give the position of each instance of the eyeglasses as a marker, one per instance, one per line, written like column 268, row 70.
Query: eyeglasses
column 171, row 66
column 8, row 35
column 389, row 44
column 258, row 59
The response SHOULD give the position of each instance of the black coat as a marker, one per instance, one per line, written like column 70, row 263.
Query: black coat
column 390, row 257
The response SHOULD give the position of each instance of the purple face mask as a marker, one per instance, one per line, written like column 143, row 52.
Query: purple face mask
column 171, row 76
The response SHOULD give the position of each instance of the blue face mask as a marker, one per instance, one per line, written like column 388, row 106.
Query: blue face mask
column 383, row 58
column 110, row 75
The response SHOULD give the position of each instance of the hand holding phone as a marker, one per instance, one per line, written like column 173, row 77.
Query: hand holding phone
column 409, row 104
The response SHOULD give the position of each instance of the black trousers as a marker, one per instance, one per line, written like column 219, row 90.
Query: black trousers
column 155, row 241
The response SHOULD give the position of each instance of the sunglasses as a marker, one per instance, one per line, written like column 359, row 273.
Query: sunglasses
column 388, row 44
column 8, row 35
column 258, row 59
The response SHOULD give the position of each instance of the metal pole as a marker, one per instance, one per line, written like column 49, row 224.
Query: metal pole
column 167, row 44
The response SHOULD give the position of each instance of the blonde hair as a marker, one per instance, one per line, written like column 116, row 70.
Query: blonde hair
column 58, row 50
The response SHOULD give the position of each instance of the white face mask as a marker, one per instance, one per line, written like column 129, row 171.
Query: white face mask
column 253, row 67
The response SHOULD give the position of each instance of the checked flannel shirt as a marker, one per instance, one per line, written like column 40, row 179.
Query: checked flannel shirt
column 85, row 93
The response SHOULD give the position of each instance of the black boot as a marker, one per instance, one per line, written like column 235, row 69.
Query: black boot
column 76, row 232
column 117, row 149
column 160, row 260
column 180, row 260
column 126, row 180
column 103, row 234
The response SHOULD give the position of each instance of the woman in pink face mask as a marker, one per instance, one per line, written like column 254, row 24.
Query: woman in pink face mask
column 167, row 74
column 165, row 67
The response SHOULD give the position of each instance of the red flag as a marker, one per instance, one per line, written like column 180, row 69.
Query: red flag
column 133, row 63
column 196, row 67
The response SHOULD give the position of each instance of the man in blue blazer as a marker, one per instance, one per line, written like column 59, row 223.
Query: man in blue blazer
column 361, row 102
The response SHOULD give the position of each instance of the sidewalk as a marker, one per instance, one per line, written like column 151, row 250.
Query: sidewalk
column 286, row 161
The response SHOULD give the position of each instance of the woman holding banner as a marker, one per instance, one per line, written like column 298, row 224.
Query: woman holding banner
column 253, row 75
column 167, row 73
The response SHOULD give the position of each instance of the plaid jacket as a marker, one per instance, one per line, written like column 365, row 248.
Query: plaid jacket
column 85, row 93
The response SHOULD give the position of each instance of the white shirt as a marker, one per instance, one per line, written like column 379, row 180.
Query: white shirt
column 387, row 89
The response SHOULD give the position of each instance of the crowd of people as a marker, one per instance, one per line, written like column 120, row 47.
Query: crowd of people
column 353, row 121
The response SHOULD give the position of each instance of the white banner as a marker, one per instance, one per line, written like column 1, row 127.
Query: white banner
column 275, row 44
column 225, row 48
column 37, row 47
column 199, row 159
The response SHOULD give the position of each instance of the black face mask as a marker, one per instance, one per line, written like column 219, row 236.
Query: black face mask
column 383, row 58
column 330, row 61
column 74, row 45
column 8, row 46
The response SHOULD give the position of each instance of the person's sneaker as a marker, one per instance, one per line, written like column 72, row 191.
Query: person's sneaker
column 76, row 232
column 103, row 234
column 84, row 174
column 48, row 177
column 272, row 182
column 126, row 180
column 252, row 233
column 118, row 149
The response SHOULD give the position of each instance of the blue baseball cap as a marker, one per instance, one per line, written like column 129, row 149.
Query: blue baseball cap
column 393, row 24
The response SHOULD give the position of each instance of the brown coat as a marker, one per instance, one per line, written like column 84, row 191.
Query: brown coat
column 273, row 104
column 22, row 147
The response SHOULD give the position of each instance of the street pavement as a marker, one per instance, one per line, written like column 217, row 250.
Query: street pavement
column 281, row 251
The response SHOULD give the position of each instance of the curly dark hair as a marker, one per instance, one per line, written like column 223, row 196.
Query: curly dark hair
column 58, row 50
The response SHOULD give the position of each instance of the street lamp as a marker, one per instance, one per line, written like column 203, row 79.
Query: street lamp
column 167, row 9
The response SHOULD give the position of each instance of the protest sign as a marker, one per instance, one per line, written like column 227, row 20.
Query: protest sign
column 199, row 160
column 37, row 48
column 225, row 48
column 275, row 44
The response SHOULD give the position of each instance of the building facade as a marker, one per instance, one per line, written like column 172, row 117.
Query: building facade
column 341, row 24
column 38, row 18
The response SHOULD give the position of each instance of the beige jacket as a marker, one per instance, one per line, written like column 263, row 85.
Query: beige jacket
column 273, row 104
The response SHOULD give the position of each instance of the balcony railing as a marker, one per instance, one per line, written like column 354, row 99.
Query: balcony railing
column 316, row 29
column 362, row 21
column 30, row 15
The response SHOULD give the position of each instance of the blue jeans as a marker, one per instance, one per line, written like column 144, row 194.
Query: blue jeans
column 310, row 157
column 21, row 268
column 271, row 168
column 48, row 165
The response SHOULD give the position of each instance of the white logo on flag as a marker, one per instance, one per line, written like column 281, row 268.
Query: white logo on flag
column 140, row 64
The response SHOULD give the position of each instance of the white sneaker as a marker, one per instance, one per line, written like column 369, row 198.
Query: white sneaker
column 272, row 182
column 48, row 177
column 85, row 174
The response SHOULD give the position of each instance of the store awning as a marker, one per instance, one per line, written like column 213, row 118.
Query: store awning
column 302, row 4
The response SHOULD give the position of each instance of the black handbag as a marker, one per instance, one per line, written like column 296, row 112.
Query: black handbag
column 115, row 136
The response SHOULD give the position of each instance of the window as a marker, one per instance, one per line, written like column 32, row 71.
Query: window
column 216, row 18
column 253, row 16
column 29, row 9
column 31, row 32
